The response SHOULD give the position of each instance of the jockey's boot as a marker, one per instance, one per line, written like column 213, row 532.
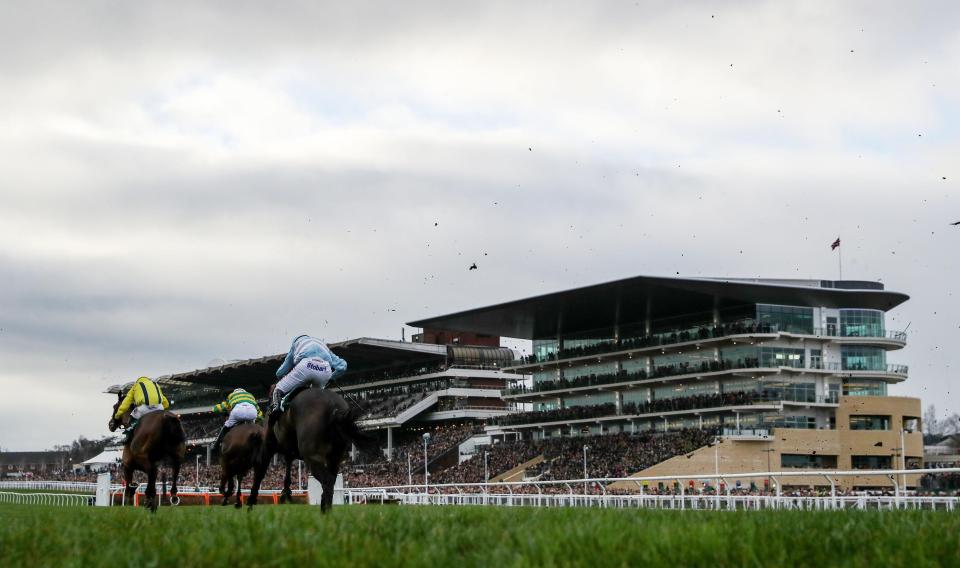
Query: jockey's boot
column 275, row 399
column 129, row 432
column 220, row 436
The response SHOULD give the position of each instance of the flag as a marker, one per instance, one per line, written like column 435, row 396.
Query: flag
column 836, row 244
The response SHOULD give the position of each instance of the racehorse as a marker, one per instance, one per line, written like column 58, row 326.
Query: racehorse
column 317, row 426
column 241, row 450
column 159, row 437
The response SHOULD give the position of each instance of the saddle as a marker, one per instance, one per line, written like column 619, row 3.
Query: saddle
column 288, row 398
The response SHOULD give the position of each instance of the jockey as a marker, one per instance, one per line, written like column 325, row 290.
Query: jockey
column 145, row 396
column 242, row 407
column 309, row 361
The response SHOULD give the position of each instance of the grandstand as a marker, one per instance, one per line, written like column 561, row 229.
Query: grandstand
column 787, row 374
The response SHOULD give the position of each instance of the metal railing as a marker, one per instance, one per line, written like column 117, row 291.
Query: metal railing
column 703, row 332
column 567, row 493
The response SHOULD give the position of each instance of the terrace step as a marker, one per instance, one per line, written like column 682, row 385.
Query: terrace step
column 516, row 474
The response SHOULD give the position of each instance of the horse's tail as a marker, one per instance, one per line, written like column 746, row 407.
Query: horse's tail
column 345, row 422
column 256, row 443
column 173, row 429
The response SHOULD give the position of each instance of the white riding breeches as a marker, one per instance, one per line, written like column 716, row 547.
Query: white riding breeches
column 314, row 371
column 143, row 409
column 243, row 412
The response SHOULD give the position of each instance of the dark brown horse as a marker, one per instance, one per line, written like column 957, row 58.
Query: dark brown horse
column 159, row 438
column 317, row 427
column 241, row 450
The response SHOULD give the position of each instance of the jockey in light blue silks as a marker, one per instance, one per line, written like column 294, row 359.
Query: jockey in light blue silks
column 309, row 361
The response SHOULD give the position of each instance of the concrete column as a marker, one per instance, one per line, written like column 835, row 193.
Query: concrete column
column 618, row 401
column 209, row 453
column 389, row 443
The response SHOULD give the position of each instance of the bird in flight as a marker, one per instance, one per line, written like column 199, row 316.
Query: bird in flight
column 473, row 266
column 955, row 223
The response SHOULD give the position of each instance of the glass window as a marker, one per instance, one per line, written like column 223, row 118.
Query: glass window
column 866, row 422
column 781, row 421
column 787, row 390
column 545, row 376
column 679, row 391
column 571, row 373
column 864, row 387
column 635, row 396
column 632, row 366
column 808, row 462
column 781, row 357
column 871, row 462
column 793, row 319
column 589, row 400
column 816, row 359
column 861, row 358
column 544, row 349
column 740, row 385
column 833, row 390
column 740, row 356
column 861, row 323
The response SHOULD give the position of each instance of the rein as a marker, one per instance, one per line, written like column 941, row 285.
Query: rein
column 349, row 397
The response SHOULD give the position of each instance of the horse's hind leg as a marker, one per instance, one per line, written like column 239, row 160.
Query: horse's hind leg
column 128, row 480
column 327, row 480
column 152, row 487
column 175, row 466
column 239, row 503
column 227, row 479
column 286, row 496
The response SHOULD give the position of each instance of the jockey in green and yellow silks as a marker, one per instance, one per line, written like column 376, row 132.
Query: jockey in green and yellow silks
column 242, row 407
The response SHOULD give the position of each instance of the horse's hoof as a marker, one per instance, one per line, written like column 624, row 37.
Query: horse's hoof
column 238, row 505
column 174, row 500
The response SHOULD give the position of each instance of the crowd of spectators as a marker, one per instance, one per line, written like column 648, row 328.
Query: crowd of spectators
column 500, row 458
column 706, row 331
column 376, row 470
column 618, row 455
column 392, row 373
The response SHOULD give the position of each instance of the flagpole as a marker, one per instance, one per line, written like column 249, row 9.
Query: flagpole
column 840, row 257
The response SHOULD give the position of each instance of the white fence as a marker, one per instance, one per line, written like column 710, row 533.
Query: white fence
column 58, row 499
column 571, row 493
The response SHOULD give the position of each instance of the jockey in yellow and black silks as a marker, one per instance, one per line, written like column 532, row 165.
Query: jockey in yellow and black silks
column 144, row 396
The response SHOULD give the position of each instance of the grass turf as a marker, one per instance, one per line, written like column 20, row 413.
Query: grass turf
column 472, row 536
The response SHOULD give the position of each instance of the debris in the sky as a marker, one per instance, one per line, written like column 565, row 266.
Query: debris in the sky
column 955, row 223
column 473, row 266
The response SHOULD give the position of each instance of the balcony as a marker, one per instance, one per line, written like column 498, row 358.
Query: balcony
column 703, row 333
column 886, row 369
column 697, row 404
column 623, row 377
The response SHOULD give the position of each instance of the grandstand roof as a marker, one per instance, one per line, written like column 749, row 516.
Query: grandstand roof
column 363, row 354
column 603, row 306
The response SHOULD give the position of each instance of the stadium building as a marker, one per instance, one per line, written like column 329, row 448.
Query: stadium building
column 785, row 373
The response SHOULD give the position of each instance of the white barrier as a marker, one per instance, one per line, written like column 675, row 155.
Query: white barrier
column 315, row 491
column 57, row 499
column 567, row 493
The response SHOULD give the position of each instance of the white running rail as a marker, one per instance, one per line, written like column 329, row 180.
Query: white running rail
column 569, row 493
column 56, row 499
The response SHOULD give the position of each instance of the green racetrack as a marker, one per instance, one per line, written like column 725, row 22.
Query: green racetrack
column 472, row 536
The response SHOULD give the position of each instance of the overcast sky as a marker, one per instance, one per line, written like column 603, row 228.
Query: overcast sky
column 181, row 184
